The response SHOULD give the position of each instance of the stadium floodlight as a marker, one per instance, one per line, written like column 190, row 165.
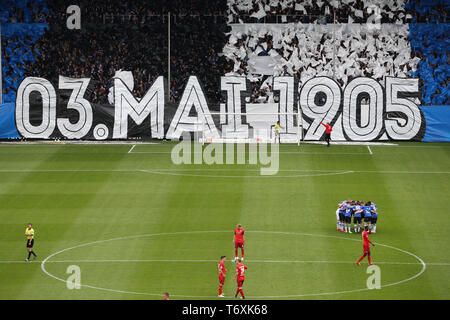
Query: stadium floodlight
column 250, row 127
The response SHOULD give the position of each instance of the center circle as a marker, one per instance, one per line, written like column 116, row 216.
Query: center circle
column 43, row 264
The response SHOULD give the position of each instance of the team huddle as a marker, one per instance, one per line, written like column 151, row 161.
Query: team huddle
column 360, row 211
column 238, row 240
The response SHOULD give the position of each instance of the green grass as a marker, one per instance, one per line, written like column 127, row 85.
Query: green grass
column 184, row 216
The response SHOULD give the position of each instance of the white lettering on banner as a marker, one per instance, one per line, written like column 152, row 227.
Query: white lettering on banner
column 48, row 118
column 286, row 87
column 76, row 101
column 329, row 92
column 234, row 128
column 409, row 109
column 126, row 105
column 364, row 111
column 353, row 93
column 203, row 122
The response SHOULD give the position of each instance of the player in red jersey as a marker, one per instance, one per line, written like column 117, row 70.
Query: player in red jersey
column 328, row 129
column 240, row 277
column 238, row 240
column 366, row 247
column 222, row 272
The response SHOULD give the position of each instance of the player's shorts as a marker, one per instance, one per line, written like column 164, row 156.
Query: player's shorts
column 240, row 282
column 239, row 245
column 366, row 249
column 374, row 220
column 357, row 220
column 221, row 279
column 367, row 219
column 277, row 133
column 341, row 217
column 348, row 219
column 30, row 244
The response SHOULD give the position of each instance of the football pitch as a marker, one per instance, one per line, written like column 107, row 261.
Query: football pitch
column 137, row 225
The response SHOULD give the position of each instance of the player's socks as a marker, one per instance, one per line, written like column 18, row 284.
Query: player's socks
column 236, row 294
column 242, row 252
column 220, row 290
column 242, row 294
column 29, row 255
column 370, row 260
column 34, row 254
column 360, row 259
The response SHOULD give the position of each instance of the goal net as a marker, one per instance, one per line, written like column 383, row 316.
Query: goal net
column 250, row 128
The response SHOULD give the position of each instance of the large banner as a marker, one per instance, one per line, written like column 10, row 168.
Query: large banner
column 364, row 110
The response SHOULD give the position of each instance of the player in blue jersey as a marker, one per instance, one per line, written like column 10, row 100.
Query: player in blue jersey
column 357, row 216
column 338, row 222
column 367, row 215
column 340, row 215
column 374, row 217
column 348, row 216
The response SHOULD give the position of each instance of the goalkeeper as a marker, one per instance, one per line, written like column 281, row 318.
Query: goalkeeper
column 277, row 131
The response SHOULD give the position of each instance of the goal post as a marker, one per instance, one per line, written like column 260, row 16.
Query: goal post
column 254, row 127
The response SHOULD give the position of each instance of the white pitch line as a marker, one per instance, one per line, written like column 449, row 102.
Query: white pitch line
column 207, row 169
column 280, row 152
column 214, row 261
column 208, row 297
column 370, row 150
column 131, row 149
column 400, row 146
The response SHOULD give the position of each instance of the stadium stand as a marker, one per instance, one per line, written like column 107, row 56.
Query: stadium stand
column 308, row 11
column 23, row 22
column 396, row 48
column 116, row 35
column 134, row 38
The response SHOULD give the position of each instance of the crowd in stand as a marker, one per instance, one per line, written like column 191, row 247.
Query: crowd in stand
column 327, row 11
column 18, row 41
column 431, row 44
column 18, row 50
column 138, row 11
column 306, row 52
column 102, row 47
column 430, row 11
column 199, row 44
column 23, row 11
